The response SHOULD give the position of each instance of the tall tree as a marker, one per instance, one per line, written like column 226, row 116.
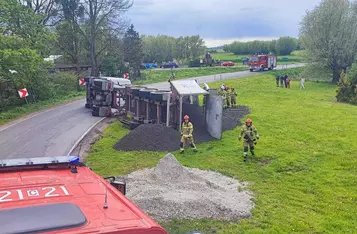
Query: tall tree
column 329, row 34
column 286, row 45
column 70, row 40
column 104, row 17
column 49, row 10
column 133, row 49
column 17, row 19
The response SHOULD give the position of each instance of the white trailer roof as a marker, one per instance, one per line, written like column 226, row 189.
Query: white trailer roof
column 188, row 87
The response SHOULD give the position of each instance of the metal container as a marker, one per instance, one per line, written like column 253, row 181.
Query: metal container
column 145, row 93
column 135, row 90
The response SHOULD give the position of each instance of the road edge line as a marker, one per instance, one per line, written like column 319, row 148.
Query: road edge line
column 84, row 135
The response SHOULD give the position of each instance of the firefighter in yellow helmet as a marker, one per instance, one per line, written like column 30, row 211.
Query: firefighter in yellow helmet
column 186, row 134
column 250, row 134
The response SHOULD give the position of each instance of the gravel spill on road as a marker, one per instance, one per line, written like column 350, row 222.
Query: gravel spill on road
column 171, row 190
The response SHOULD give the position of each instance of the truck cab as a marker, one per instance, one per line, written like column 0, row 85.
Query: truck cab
column 262, row 62
column 62, row 195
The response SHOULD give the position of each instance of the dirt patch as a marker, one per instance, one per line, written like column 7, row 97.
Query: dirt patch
column 171, row 190
column 84, row 146
column 155, row 137
column 232, row 117
column 150, row 137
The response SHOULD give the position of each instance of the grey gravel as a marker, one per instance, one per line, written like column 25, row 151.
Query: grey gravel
column 171, row 190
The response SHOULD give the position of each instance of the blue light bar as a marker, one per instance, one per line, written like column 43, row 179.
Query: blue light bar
column 38, row 161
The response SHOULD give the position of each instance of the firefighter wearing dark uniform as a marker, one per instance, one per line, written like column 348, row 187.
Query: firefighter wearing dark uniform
column 250, row 134
column 186, row 135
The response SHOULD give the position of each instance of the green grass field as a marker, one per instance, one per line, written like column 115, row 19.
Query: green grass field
column 304, row 174
column 21, row 111
column 154, row 76
column 295, row 57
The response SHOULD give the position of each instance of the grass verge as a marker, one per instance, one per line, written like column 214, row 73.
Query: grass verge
column 304, row 173
column 21, row 111
column 155, row 76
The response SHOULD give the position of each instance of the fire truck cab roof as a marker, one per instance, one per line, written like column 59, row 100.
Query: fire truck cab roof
column 62, row 195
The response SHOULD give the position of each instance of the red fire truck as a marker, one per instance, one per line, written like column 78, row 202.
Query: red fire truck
column 62, row 195
column 261, row 62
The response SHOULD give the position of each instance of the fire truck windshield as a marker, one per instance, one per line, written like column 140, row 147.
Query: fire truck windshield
column 253, row 59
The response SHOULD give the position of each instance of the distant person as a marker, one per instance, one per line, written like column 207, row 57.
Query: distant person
column 287, row 82
column 302, row 83
column 285, row 77
column 186, row 134
column 281, row 81
column 277, row 81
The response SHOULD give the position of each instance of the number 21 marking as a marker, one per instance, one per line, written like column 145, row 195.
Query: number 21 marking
column 2, row 198
column 5, row 195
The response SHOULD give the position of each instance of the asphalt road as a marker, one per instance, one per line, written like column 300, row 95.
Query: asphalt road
column 54, row 132
column 218, row 77
column 49, row 133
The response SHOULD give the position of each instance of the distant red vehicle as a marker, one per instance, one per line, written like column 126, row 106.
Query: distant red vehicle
column 261, row 62
column 62, row 195
column 228, row 64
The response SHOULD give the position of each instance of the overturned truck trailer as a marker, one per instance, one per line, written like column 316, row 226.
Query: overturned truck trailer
column 144, row 105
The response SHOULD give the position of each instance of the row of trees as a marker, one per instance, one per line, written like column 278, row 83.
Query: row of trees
column 85, row 32
column 329, row 35
column 282, row 46
column 163, row 48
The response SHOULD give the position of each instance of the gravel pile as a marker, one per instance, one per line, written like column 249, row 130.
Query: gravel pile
column 172, row 191
column 150, row 137
column 157, row 137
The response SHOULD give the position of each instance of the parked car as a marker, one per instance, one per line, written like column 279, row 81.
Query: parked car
column 228, row 64
column 147, row 66
column 169, row 65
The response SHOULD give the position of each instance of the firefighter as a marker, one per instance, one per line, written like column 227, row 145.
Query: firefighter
column 250, row 134
column 224, row 96
column 234, row 97
column 228, row 96
column 186, row 134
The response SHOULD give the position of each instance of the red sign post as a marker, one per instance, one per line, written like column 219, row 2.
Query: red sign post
column 23, row 93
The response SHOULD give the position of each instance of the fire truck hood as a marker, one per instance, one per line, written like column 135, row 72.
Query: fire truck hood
column 57, row 200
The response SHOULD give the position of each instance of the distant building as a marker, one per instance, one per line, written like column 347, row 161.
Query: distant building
column 61, row 66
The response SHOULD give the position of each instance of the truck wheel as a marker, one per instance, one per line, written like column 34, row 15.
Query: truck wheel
column 250, row 70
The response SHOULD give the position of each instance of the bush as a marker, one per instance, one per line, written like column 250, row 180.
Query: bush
column 317, row 72
column 347, row 86
column 64, row 82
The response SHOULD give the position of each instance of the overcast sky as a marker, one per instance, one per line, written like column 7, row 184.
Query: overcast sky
column 220, row 21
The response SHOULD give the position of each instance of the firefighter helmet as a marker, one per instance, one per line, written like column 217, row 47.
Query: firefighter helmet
column 186, row 117
column 248, row 121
